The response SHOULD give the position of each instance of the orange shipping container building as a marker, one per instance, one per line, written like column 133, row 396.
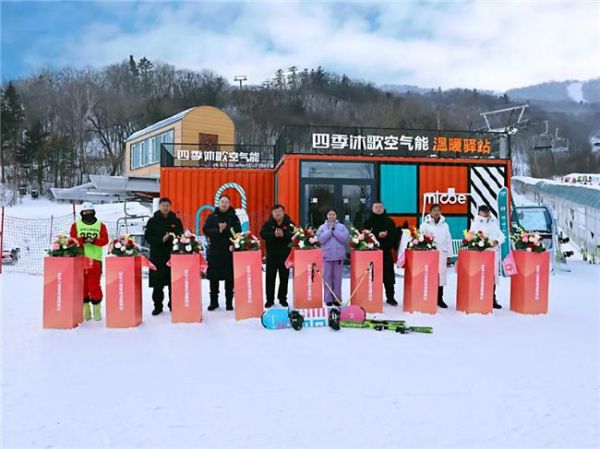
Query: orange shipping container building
column 312, row 169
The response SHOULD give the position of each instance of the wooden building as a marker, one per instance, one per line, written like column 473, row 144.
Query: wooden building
column 201, row 126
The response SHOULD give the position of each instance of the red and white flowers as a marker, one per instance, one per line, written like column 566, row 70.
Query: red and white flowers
column 476, row 241
column 124, row 246
column 65, row 246
column 304, row 239
column 363, row 240
column 187, row 243
column 421, row 241
column 528, row 241
column 244, row 241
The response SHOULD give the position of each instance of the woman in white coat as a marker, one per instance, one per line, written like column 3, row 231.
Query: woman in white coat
column 435, row 224
column 488, row 224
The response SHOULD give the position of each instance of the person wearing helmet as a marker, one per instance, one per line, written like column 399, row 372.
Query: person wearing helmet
column 92, row 235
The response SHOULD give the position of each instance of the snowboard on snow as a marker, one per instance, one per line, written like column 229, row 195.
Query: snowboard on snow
column 299, row 318
column 392, row 325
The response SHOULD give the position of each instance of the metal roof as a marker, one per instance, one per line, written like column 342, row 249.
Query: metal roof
column 584, row 195
column 104, row 188
column 166, row 122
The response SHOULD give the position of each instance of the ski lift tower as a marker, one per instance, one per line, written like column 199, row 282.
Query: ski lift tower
column 505, row 122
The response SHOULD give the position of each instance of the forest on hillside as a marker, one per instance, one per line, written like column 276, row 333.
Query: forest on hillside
column 60, row 126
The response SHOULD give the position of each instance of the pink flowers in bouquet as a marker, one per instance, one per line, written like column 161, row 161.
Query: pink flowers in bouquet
column 421, row 241
column 363, row 240
column 65, row 246
column 476, row 241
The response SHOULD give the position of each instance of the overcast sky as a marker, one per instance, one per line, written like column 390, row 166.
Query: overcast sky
column 485, row 45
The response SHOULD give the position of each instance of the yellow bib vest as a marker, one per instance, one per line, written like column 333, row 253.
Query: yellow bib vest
column 90, row 230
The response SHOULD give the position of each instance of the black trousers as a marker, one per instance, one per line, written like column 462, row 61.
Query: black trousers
column 389, row 277
column 214, row 291
column 158, row 295
column 273, row 268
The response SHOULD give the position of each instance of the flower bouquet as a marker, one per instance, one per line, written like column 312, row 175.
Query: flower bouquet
column 304, row 239
column 124, row 246
column 421, row 241
column 528, row 241
column 187, row 243
column 65, row 246
column 476, row 241
column 363, row 240
column 244, row 241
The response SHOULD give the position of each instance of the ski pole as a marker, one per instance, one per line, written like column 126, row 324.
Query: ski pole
column 337, row 300
column 362, row 278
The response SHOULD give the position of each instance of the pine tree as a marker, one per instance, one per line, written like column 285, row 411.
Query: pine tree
column 11, row 120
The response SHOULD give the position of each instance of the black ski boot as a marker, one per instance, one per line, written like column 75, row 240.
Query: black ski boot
column 296, row 319
column 334, row 318
column 214, row 305
column 283, row 302
column 496, row 305
column 269, row 304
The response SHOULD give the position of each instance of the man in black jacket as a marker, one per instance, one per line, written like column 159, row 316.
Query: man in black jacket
column 384, row 229
column 277, row 233
column 217, row 229
column 157, row 234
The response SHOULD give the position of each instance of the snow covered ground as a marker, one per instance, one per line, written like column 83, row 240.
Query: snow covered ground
column 498, row 381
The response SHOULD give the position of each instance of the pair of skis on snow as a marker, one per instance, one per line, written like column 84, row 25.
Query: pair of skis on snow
column 335, row 318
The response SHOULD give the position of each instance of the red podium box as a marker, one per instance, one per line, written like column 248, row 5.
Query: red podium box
column 63, row 292
column 247, row 271
column 475, row 291
column 186, row 291
column 421, row 280
column 123, row 291
column 308, row 284
column 367, row 289
column 529, row 287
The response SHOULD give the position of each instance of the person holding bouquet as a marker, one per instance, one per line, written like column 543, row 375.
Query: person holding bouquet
column 435, row 224
column 218, row 229
column 487, row 223
column 333, row 237
column 92, row 235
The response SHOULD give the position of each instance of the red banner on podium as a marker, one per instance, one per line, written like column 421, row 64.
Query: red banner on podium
column 421, row 280
column 186, row 291
column 63, row 292
column 366, row 280
column 475, row 270
column 308, row 285
column 247, row 269
column 123, row 291
column 529, row 287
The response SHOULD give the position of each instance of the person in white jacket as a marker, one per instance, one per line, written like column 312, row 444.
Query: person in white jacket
column 488, row 224
column 435, row 224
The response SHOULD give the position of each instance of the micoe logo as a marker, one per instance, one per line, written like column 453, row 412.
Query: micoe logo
column 449, row 197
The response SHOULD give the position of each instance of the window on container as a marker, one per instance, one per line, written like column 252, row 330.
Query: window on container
column 353, row 170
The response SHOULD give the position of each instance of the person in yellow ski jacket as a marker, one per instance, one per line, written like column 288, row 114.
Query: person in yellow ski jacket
column 92, row 235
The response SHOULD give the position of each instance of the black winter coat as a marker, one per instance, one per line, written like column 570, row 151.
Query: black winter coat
column 379, row 223
column 220, row 258
column 277, row 247
column 160, row 252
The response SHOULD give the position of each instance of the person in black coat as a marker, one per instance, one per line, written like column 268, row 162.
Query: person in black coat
column 217, row 229
column 277, row 233
column 384, row 229
column 157, row 236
